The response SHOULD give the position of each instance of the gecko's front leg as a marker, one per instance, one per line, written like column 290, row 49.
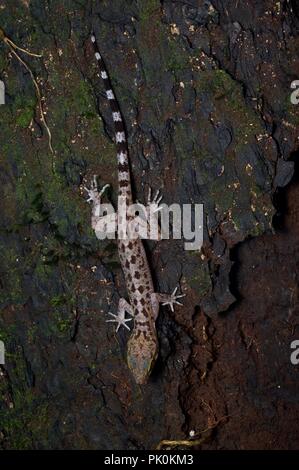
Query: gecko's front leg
column 120, row 317
column 103, row 216
column 152, row 208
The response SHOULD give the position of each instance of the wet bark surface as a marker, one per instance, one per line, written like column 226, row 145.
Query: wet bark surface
column 204, row 87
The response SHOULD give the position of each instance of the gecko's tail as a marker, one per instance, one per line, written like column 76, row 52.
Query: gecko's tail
column 120, row 132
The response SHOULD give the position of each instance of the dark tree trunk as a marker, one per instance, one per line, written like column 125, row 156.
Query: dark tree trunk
column 204, row 87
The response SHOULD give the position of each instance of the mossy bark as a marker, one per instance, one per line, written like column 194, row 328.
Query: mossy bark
column 204, row 90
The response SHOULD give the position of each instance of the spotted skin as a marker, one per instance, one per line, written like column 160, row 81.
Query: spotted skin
column 144, row 302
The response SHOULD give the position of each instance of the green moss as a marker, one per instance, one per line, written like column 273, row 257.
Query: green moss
column 25, row 110
column 200, row 281
column 224, row 197
column 147, row 8
column 27, row 423
column 12, row 276
column 61, row 299
column 24, row 423
column 55, row 78
column 75, row 108
column 250, row 224
column 62, row 323
column 229, row 104
column 220, row 83
column 61, row 319
column 25, row 117
column 176, row 57
column 80, row 99
column 58, row 300
column 63, row 206
column 29, row 200
column 31, row 333
column 3, row 60
column 7, row 334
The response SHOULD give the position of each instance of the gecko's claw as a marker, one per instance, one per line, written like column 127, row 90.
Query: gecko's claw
column 119, row 319
column 103, row 189
column 173, row 300
column 93, row 183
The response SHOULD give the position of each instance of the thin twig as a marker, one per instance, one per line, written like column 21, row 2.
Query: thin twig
column 183, row 442
column 190, row 442
column 11, row 43
column 13, row 48
column 38, row 98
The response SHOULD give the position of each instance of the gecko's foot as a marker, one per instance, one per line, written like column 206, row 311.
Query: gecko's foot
column 93, row 194
column 156, row 200
column 120, row 319
column 173, row 299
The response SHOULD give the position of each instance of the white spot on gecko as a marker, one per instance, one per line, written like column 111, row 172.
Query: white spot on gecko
column 116, row 117
column 104, row 75
column 98, row 56
column 93, row 39
column 123, row 175
column 110, row 95
column 122, row 157
column 120, row 137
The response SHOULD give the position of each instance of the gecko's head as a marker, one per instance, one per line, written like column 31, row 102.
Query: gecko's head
column 142, row 355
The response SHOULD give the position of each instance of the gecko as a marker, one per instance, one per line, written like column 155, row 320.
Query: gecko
column 143, row 305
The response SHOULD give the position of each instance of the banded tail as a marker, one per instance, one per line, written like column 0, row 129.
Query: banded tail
column 124, row 180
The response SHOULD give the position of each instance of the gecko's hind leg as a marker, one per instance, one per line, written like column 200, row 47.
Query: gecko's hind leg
column 120, row 317
column 166, row 299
